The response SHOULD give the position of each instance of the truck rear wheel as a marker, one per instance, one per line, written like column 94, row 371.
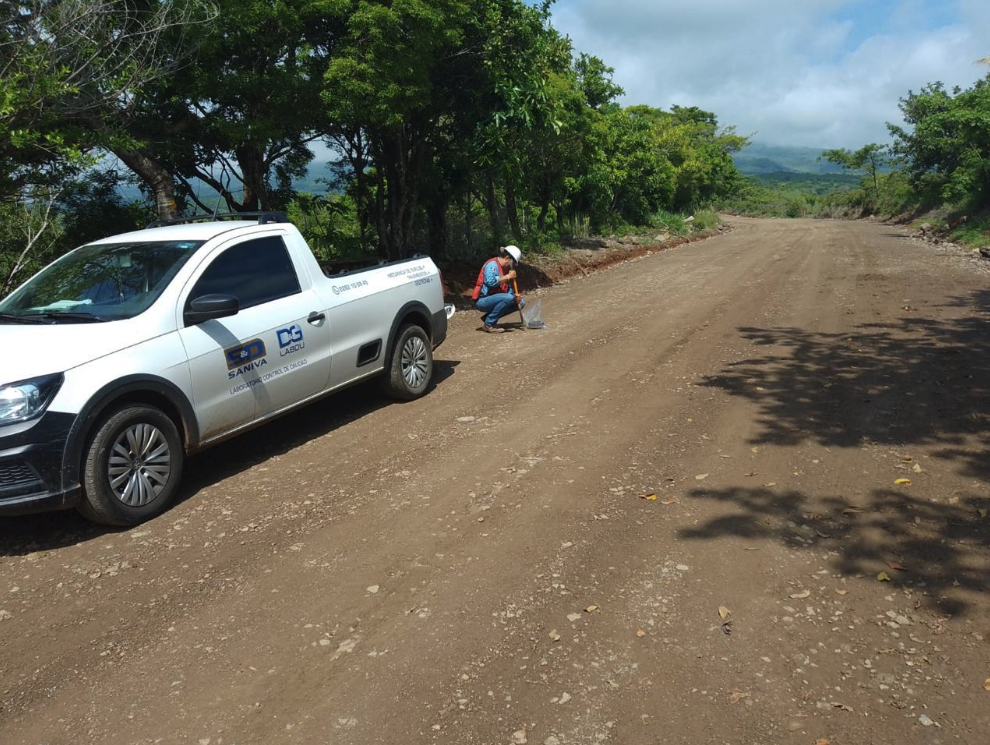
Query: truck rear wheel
column 133, row 466
column 411, row 367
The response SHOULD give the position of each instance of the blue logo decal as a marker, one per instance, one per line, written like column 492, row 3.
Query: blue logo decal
column 291, row 335
column 245, row 353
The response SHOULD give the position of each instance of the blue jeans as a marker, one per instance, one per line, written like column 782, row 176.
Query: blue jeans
column 497, row 306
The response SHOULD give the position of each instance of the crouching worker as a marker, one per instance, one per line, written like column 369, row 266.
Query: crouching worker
column 492, row 294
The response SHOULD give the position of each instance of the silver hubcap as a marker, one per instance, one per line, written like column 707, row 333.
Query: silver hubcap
column 415, row 362
column 139, row 465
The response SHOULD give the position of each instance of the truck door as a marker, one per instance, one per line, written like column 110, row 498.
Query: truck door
column 272, row 354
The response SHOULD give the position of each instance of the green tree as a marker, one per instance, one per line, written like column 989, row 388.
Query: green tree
column 946, row 143
column 869, row 160
column 241, row 119
column 385, row 98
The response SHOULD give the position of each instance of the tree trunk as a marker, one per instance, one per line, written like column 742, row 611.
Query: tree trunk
column 155, row 176
column 492, row 204
column 512, row 210
column 545, row 195
column 252, row 163
column 468, row 223
column 394, row 198
column 362, row 199
column 437, row 224
column 380, row 221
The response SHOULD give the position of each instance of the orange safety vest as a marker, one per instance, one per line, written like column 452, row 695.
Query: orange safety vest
column 504, row 286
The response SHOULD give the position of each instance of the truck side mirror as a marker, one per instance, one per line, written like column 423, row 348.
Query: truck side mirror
column 210, row 307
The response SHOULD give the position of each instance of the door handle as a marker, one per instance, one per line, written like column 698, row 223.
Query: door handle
column 315, row 318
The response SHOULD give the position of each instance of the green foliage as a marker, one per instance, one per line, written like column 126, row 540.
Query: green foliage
column 454, row 125
column 329, row 224
column 946, row 144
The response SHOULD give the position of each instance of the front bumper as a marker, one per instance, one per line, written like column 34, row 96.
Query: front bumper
column 32, row 477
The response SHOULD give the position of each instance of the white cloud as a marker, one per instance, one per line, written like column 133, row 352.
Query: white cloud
column 821, row 73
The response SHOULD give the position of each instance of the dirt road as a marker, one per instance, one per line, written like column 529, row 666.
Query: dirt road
column 481, row 565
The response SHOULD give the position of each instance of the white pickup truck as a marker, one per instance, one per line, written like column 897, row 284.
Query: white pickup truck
column 126, row 354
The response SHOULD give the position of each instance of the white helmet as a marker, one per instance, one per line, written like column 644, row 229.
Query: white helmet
column 514, row 252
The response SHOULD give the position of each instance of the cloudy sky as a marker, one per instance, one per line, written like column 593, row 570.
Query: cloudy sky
column 818, row 73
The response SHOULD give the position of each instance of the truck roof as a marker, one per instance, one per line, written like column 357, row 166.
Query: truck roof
column 197, row 228
column 203, row 231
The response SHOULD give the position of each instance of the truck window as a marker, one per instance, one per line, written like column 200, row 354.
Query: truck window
column 255, row 272
column 100, row 282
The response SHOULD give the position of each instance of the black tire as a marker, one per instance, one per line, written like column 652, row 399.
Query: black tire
column 132, row 467
column 410, row 367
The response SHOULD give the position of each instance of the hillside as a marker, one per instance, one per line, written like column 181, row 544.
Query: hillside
column 760, row 159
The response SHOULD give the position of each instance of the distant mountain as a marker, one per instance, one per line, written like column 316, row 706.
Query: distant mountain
column 759, row 159
column 314, row 182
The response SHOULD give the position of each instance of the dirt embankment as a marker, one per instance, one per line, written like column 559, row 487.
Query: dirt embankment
column 579, row 257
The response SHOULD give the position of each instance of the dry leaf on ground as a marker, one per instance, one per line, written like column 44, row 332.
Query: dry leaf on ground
column 668, row 501
column 723, row 612
column 640, row 633
column 799, row 595
column 648, row 497
column 591, row 609
column 897, row 565
column 903, row 482
column 883, row 577
column 701, row 476
column 736, row 696
column 986, row 686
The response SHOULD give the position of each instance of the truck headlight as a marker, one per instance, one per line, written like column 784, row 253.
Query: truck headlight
column 28, row 398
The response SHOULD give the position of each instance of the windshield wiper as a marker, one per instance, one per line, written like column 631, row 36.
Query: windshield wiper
column 56, row 317
column 14, row 318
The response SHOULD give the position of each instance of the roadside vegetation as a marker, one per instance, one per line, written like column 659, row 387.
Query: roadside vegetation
column 440, row 126
column 935, row 173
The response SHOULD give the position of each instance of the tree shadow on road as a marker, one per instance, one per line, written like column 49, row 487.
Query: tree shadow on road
column 916, row 382
column 934, row 547
column 44, row 532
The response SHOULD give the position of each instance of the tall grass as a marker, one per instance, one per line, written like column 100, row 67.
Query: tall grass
column 706, row 219
column 671, row 223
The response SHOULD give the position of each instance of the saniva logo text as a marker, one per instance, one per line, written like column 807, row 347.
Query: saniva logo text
column 249, row 356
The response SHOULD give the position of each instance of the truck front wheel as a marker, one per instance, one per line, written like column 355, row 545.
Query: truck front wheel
column 132, row 467
column 411, row 367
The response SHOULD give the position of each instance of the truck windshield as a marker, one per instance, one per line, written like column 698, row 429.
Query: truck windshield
column 101, row 282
